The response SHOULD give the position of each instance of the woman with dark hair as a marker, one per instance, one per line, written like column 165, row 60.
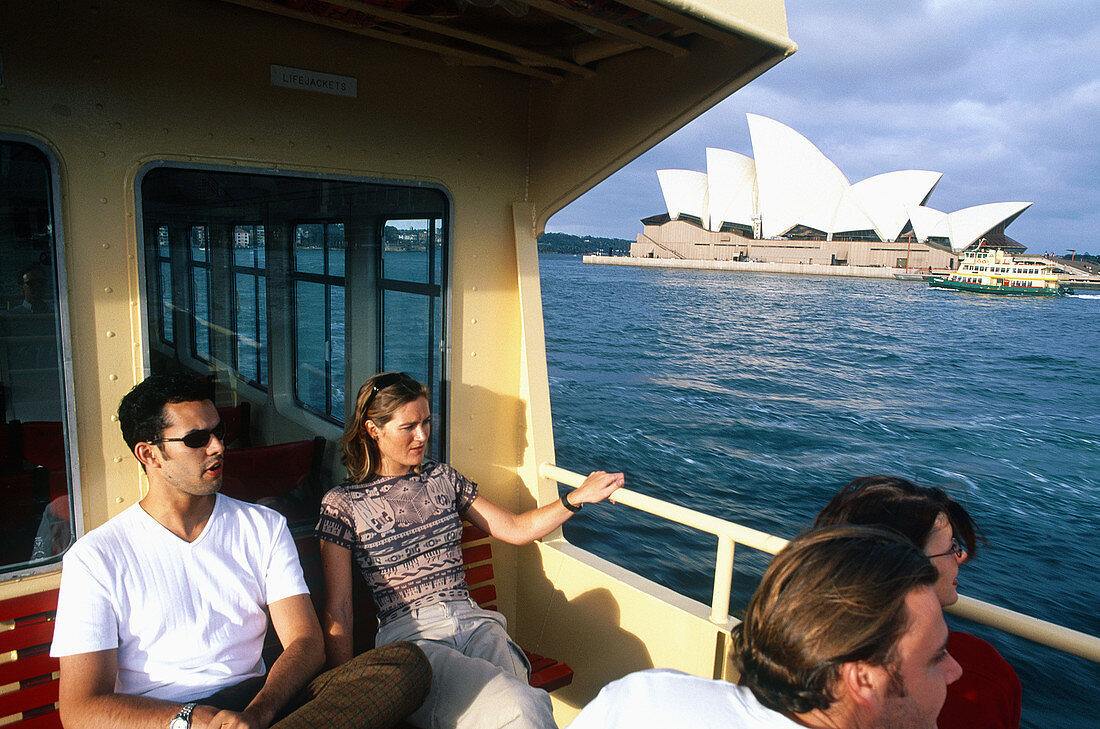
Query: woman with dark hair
column 988, row 695
column 400, row 519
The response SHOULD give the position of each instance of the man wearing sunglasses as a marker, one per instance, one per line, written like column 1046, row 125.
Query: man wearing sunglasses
column 163, row 610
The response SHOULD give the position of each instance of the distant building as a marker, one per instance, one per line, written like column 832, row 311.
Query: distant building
column 791, row 204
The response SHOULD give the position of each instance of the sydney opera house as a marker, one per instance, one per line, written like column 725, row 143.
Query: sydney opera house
column 790, row 204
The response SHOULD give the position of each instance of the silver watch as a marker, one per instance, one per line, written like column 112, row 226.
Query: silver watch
column 182, row 720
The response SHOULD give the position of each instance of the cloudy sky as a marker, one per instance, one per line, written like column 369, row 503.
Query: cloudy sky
column 1001, row 97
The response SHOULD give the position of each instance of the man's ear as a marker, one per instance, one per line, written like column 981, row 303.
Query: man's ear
column 865, row 685
column 147, row 454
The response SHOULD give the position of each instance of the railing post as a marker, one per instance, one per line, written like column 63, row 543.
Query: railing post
column 723, row 581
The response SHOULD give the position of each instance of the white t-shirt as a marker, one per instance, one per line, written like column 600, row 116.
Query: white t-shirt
column 188, row 619
column 665, row 699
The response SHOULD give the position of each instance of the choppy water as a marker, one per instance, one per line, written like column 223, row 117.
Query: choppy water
column 754, row 397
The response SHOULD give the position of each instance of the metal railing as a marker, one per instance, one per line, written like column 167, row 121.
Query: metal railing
column 730, row 534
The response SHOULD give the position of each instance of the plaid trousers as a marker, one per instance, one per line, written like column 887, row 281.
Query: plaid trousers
column 374, row 690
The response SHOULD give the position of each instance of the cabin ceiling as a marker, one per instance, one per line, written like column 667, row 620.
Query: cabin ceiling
column 549, row 39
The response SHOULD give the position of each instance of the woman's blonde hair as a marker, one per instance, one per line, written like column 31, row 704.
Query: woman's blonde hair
column 379, row 398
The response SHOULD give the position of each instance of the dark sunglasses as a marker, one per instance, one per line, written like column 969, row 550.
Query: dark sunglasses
column 385, row 381
column 197, row 438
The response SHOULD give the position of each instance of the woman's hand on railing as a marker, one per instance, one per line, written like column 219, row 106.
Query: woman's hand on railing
column 598, row 486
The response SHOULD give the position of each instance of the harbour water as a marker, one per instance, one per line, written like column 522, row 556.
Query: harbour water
column 754, row 397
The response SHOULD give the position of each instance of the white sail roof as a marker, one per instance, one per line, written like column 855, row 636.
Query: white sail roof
column 789, row 182
column 732, row 188
column 685, row 192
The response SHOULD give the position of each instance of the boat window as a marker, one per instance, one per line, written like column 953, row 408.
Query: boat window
column 319, row 302
column 161, row 312
column 248, row 282
column 36, row 473
column 291, row 291
column 412, row 270
column 199, row 263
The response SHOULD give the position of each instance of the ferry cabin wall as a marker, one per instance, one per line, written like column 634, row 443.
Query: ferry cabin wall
column 112, row 89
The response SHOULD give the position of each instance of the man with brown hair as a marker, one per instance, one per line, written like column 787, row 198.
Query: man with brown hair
column 844, row 631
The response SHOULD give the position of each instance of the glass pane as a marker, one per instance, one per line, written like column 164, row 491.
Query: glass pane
column 198, row 243
column 162, row 241
column 405, row 347
column 200, row 331
column 309, row 248
column 260, row 245
column 34, row 477
column 334, row 233
column 336, row 344
column 437, row 251
column 165, row 283
column 247, row 245
column 310, row 355
column 405, row 250
column 248, row 347
column 261, row 364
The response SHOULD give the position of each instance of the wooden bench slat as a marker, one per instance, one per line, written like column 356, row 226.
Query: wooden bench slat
column 25, row 699
column 25, row 636
column 477, row 575
column 484, row 595
column 51, row 720
column 477, row 553
column 471, row 533
column 552, row 677
column 23, row 668
column 26, row 605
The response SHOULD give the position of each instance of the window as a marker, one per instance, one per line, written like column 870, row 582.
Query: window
column 35, row 440
column 318, row 276
column 248, row 283
column 412, row 271
column 199, row 258
column 300, row 288
column 162, row 311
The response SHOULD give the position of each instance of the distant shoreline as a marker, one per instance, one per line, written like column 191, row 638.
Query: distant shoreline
column 805, row 269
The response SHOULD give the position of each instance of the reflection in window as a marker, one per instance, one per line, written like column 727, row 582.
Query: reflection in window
column 34, row 463
column 301, row 287
column 200, row 292
column 318, row 277
column 412, row 332
column 163, row 267
column 249, row 285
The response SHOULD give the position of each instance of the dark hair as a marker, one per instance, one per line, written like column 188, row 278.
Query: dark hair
column 901, row 505
column 831, row 596
column 379, row 398
column 141, row 412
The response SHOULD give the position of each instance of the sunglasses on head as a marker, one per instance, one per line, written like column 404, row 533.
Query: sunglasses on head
column 197, row 438
column 387, row 380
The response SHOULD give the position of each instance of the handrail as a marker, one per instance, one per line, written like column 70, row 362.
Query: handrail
column 1039, row 631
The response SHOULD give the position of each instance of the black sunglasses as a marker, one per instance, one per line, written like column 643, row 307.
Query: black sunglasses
column 197, row 438
column 386, row 381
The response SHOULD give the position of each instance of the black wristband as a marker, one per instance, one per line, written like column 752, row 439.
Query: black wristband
column 567, row 505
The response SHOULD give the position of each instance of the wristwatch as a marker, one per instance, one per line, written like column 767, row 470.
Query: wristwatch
column 183, row 719
column 565, row 503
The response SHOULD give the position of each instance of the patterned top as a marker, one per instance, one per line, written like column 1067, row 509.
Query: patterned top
column 404, row 533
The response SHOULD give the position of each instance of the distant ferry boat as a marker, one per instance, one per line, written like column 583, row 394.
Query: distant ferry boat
column 996, row 272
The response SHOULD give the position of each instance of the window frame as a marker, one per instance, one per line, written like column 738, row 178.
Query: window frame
column 260, row 275
column 327, row 280
column 280, row 397
column 65, row 353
